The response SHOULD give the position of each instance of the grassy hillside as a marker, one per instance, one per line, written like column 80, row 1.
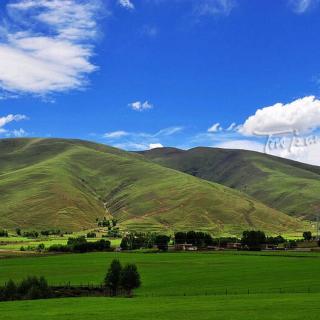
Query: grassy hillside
column 56, row 183
column 289, row 186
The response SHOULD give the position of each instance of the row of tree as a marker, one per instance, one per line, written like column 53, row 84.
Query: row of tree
column 135, row 241
column 28, row 289
column 81, row 245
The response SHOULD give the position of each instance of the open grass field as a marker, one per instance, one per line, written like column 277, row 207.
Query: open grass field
column 67, row 184
column 259, row 307
column 181, row 273
column 282, row 285
column 12, row 243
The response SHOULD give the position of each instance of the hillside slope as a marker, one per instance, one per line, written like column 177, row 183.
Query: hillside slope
column 56, row 183
column 286, row 185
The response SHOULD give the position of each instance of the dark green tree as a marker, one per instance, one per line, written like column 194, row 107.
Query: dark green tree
column 112, row 279
column 253, row 239
column 307, row 235
column 10, row 290
column 162, row 242
column 130, row 278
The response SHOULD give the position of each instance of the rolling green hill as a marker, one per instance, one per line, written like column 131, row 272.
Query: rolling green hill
column 67, row 184
column 286, row 185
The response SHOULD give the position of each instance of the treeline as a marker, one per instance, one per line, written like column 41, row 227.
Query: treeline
column 198, row 239
column 135, row 241
column 28, row 289
column 81, row 245
column 35, row 234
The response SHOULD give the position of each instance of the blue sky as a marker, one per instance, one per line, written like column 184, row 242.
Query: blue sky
column 144, row 73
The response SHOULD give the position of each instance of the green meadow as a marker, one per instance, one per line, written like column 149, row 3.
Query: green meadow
column 179, row 274
column 262, row 307
column 217, row 285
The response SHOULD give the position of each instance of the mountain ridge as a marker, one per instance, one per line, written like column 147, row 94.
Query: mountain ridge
column 283, row 184
column 68, row 183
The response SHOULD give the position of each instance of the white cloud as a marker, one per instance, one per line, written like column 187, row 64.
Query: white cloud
column 140, row 106
column 131, row 146
column 115, row 134
column 242, row 145
column 302, row 115
column 52, row 52
column 232, row 126
column 141, row 140
column 168, row 131
column 301, row 6
column 215, row 128
column 126, row 4
column 304, row 153
column 10, row 118
column 214, row 7
column 17, row 133
column 155, row 145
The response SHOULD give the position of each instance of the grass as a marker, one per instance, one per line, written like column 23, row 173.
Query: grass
column 178, row 285
column 67, row 184
column 181, row 273
column 286, row 307
column 286, row 185
column 15, row 243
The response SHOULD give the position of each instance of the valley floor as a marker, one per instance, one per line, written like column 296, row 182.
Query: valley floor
column 222, row 285
column 240, row 307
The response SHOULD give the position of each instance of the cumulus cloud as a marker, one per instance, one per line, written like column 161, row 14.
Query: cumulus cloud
column 51, row 52
column 301, row 6
column 155, row 145
column 214, row 7
column 140, row 106
column 126, row 4
column 215, row 128
column 301, row 115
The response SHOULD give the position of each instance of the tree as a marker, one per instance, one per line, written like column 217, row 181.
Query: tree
column 253, row 239
column 124, row 245
column 307, row 235
column 112, row 279
column 130, row 278
column 162, row 242
column 10, row 290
